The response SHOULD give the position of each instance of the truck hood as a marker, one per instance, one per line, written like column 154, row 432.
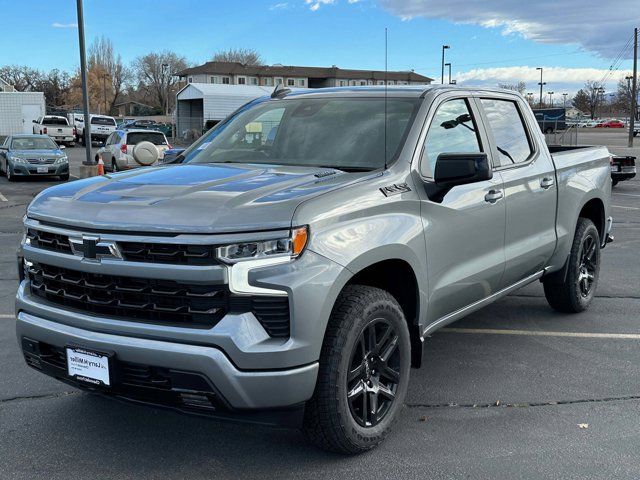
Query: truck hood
column 210, row 198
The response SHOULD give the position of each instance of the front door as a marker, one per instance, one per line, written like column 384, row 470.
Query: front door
column 464, row 232
column 29, row 114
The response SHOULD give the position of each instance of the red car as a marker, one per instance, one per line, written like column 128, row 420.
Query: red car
column 611, row 124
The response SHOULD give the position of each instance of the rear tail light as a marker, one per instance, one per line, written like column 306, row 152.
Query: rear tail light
column 123, row 148
column 44, row 130
column 75, row 132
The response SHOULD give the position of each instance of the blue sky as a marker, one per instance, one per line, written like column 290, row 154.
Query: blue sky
column 505, row 46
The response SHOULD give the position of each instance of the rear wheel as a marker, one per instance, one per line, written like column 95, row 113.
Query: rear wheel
column 363, row 375
column 575, row 291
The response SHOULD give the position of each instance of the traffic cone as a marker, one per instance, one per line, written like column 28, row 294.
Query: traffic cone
column 100, row 166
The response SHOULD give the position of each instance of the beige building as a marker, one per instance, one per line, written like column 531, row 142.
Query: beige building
column 233, row 73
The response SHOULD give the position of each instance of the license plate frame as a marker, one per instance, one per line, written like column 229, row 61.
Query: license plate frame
column 90, row 367
column 42, row 169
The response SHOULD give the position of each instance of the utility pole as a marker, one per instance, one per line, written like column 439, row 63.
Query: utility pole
column 444, row 47
column 541, row 83
column 165, row 68
column 634, row 87
column 449, row 65
column 85, row 92
column 550, row 98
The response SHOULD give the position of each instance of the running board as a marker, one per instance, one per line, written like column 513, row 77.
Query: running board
column 463, row 312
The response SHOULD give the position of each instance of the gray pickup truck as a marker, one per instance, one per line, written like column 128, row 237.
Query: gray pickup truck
column 287, row 267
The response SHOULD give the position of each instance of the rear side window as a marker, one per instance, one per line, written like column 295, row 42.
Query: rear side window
column 156, row 138
column 103, row 121
column 508, row 130
column 452, row 130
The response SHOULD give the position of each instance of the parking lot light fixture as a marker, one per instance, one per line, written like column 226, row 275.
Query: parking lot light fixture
column 550, row 98
column 444, row 47
column 564, row 100
column 541, row 83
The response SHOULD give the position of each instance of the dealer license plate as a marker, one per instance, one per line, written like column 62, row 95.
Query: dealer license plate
column 88, row 367
column 615, row 168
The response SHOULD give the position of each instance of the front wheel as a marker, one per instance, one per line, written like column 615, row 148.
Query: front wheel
column 576, row 290
column 363, row 374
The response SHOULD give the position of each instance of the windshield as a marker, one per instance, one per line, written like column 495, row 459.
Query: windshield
column 343, row 133
column 33, row 143
column 103, row 121
column 156, row 138
column 54, row 121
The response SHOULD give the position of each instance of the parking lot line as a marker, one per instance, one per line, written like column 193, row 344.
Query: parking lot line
column 3, row 198
column 7, row 315
column 627, row 208
column 628, row 194
column 541, row 333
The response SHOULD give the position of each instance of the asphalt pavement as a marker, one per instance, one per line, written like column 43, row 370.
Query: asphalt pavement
column 515, row 390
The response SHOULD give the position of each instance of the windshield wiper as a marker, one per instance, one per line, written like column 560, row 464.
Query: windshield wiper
column 345, row 168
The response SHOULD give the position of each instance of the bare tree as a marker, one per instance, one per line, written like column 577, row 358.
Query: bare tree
column 23, row 78
column 156, row 78
column 56, row 85
column 245, row 56
column 110, row 71
column 589, row 98
column 519, row 87
column 622, row 100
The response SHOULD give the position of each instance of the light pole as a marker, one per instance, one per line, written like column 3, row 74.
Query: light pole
column 541, row 83
column 165, row 68
column 444, row 47
column 85, row 92
column 564, row 100
column 550, row 98
column 530, row 98
column 449, row 65
column 600, row 92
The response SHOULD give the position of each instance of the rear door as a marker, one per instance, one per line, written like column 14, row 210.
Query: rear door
column 529, row 185
column 464, row 232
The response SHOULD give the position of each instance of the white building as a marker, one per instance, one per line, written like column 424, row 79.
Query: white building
column 200, row 105
column 18, row 110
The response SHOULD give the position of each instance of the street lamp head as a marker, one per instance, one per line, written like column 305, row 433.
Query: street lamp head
column 445, row 46
column 538, row 68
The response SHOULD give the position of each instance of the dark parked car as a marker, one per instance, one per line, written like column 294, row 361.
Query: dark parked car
column 31, row 156
column 622, row 168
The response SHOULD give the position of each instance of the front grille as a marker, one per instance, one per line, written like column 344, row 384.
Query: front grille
column 49, row 241
column 146, row 252
column 175, row 254
column 43, row 161
column 142, row 299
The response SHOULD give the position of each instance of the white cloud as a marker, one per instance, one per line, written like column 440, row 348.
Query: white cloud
column 602, row 27
column 557, row 78
column 64, row 25
column 278, row 6
column 315, row 4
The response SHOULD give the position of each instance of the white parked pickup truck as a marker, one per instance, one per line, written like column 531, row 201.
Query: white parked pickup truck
column 57, row 128
column 101, row 126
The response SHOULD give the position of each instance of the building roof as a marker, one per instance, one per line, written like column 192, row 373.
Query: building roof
column 235, row 68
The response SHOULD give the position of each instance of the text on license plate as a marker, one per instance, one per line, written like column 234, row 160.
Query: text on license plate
column 43, row 169
column 88, row 366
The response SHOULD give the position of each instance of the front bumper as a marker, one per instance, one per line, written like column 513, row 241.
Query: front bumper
column 22, row 169
column 230, row 388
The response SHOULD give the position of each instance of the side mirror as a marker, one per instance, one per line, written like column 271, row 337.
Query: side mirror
column 461, row 168
column 61, row 147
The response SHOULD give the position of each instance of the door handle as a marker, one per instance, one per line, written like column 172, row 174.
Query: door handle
column 546, row 182
column 493, row 196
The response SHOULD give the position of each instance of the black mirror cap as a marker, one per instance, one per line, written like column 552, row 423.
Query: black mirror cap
column 461, row 168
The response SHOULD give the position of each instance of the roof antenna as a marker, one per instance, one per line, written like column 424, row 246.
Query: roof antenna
column 385, row 98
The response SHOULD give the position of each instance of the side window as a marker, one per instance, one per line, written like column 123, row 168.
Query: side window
column 452, row 129
column 508, row 130
column 110, row 140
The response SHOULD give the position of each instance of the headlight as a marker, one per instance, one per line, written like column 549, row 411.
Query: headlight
column 18, row 159
column 291, row 246
column 60, row 160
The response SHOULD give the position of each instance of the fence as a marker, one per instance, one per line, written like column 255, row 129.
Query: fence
column 567, row 137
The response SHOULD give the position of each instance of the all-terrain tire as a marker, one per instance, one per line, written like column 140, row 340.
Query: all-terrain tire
column 564, row 292
column 330, row 422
